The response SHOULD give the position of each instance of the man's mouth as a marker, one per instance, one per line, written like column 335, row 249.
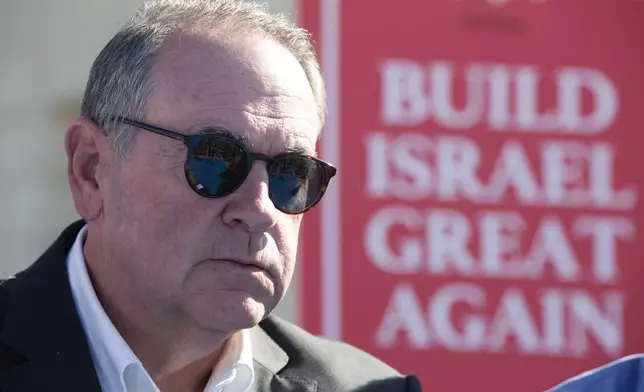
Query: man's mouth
column 251, row 265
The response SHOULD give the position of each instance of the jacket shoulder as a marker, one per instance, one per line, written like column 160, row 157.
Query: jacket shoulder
column 622, row 375
column 5, row 285
column 336, row 365
column 8, row 356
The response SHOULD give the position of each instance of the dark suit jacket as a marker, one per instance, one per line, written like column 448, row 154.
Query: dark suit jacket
column 43, row 345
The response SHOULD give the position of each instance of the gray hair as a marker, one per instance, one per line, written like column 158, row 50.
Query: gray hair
column 119, row 81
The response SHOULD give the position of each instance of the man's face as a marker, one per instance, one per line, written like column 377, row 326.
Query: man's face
column 184, row 254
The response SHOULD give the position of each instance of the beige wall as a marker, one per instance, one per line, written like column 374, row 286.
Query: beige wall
column 47, row 48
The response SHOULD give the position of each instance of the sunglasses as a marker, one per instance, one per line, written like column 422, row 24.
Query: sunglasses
column 217, row 165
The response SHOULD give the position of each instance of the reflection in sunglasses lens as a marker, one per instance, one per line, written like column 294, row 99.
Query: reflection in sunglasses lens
column 217, row 166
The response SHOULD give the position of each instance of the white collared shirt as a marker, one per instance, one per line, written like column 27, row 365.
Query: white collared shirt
column 118, row 368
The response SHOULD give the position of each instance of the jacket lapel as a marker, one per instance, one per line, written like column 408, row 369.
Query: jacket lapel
column 270, row 359
column 42, row 327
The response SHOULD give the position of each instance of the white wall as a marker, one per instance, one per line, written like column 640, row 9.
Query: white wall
column 46, row 50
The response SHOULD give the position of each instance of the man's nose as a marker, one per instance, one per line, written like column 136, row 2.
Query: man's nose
column 250, row 205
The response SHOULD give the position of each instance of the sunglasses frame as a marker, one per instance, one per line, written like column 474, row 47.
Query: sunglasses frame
column 329, row 171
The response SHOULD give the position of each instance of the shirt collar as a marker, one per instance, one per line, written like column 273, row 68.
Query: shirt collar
column 110, row 352
column 113, row 357
column 235, row 367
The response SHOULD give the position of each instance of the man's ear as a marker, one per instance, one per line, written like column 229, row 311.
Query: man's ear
column 86, row 149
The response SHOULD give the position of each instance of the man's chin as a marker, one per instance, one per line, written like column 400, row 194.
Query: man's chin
column 236, row 312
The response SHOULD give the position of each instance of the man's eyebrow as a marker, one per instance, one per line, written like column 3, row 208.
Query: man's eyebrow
column 221, row 131
column 298, row 147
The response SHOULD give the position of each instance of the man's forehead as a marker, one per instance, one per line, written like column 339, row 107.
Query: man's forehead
column 258, row 94
column 243, row 63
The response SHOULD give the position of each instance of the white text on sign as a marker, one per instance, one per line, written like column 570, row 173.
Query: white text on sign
column 546, row 214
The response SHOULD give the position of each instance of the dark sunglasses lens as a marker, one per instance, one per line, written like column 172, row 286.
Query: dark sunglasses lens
column 295, row 183
column 216, row 166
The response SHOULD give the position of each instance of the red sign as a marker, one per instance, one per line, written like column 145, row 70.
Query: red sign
column 485, row 227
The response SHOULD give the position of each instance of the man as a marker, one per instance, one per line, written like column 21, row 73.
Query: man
column 191, row 165
column 623, row 375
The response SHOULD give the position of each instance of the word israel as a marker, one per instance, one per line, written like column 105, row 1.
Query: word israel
column 415, row 166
